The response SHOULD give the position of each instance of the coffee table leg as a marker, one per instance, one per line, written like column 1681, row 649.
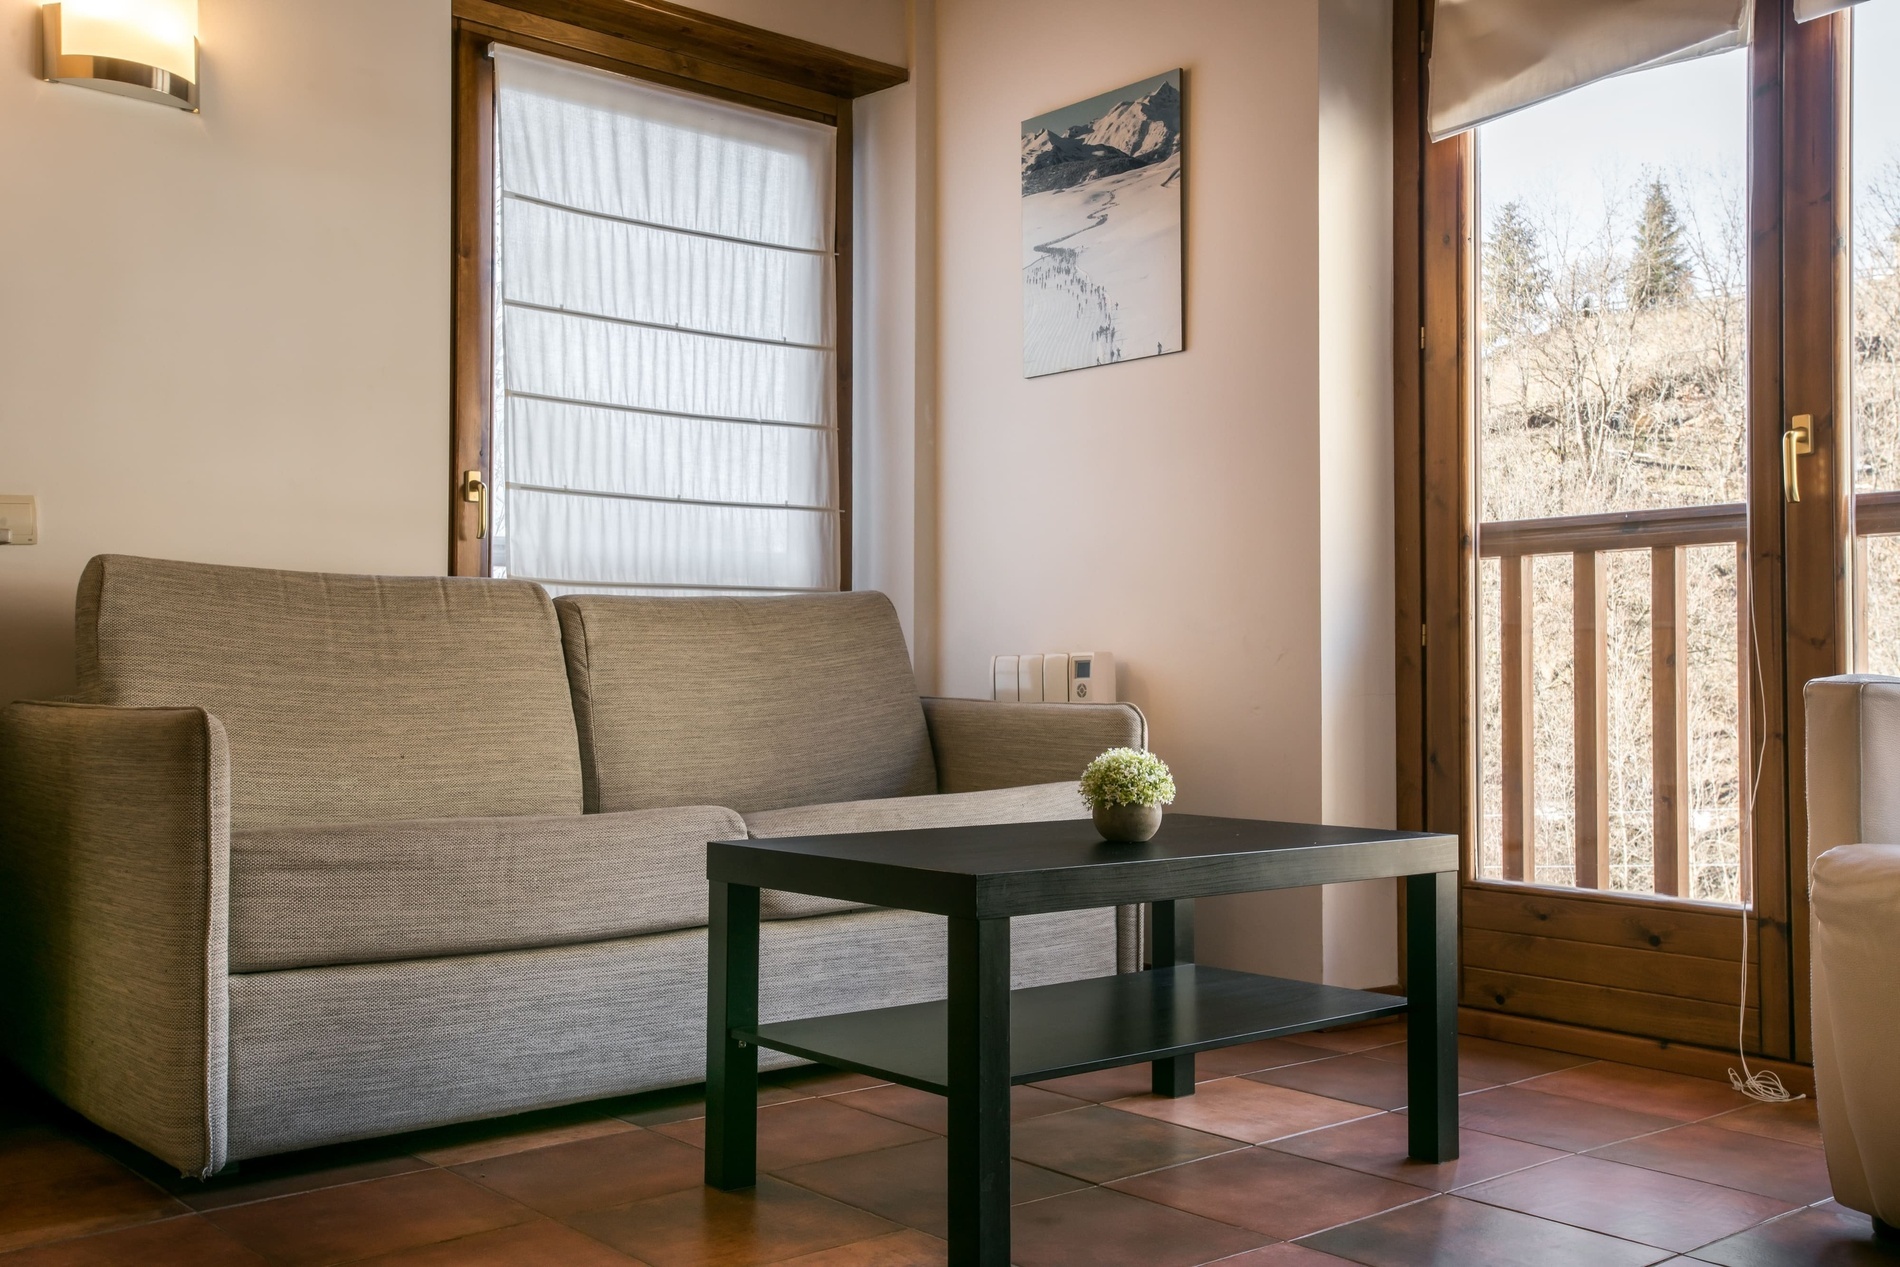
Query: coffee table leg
column 979, row 1092
column 1431, row 970
column 732, row 1068
column 1171, row 930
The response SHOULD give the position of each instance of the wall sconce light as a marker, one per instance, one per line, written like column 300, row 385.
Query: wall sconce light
column 137, row 48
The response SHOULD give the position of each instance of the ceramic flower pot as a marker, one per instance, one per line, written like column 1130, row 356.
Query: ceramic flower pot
column 1128, row 824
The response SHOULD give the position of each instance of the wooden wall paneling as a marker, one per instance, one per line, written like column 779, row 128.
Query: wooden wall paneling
column 1768, row 828
column 1446, row 492
column 1602, row 1007
column 472, row 353
column 700, row 40
column 1407, row 445
column 1632, row 921
column 1408, row 343
column 640, row 61
column 1817, row 530
column 1619, row 967
column 1745, row 693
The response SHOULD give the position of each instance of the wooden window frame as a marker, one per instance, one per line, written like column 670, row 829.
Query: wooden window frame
column 665, row 44
column 1797, row 297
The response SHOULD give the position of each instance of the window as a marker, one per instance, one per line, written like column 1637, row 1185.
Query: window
column 666, row 394
column 1613, row 260
column 652, row 296
column 1624, row 515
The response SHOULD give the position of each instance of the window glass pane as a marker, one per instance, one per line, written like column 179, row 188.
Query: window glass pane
column 1614, row 264
column 1874, row 357
column 1611, row 353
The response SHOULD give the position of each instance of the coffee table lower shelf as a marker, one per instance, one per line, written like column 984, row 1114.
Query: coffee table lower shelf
column 1079, row 1026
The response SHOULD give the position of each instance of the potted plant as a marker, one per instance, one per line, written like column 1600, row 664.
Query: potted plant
column 1125, row 789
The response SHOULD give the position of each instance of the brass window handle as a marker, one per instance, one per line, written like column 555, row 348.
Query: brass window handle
column 475, row 489
column 1795, row 441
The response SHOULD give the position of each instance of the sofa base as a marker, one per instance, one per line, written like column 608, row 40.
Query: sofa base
column 324, row 1055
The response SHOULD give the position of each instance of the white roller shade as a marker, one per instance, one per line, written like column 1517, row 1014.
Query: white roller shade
column 1491, row 57
column 665, row 412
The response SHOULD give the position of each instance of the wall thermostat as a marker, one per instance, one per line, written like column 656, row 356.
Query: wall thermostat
column 1054, row 677
column 1091, row 677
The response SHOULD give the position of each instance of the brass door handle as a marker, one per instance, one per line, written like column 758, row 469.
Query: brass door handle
column 1795, row 441
column 475, row 489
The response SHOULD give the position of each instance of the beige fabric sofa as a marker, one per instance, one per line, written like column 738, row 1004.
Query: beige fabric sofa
column 314, row 857
column 1853, row 764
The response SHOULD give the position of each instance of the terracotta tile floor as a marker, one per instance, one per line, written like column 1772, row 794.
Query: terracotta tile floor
column 1290, row 1155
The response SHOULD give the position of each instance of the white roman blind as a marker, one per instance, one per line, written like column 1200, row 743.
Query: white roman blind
column 1492, row 57
column 666, row 394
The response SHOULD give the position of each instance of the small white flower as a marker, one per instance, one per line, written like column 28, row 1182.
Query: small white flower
column 1127, row 776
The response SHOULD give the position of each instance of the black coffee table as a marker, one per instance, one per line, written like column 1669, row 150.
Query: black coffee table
column 984, row 1038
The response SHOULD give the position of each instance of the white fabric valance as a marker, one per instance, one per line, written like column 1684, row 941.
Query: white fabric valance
column 666, row 394
column 1491, row 57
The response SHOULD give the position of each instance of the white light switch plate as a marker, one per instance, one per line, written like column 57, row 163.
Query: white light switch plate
column 19, row 519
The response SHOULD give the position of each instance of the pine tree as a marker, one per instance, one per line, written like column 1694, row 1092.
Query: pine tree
column 1660, row 272
column 1516, row 279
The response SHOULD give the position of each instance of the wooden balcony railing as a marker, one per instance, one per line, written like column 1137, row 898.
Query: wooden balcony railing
column 1586, row 539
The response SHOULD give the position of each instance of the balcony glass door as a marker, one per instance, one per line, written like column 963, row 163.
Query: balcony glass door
column 1612, row 850
column 1874, row 350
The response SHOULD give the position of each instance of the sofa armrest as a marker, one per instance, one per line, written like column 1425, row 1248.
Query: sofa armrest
column 981, row 744
column 1853, row 742
column 115, row 834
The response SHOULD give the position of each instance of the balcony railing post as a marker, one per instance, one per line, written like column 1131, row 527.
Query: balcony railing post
column 1590, row 708
column 1669, row 717
column 1519, row 738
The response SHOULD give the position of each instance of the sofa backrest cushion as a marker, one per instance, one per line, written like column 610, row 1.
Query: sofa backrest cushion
column 751, row 703
column 345, row 698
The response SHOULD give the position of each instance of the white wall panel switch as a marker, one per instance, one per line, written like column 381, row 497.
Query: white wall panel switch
column 1029, row 679
column 1055, row 677
column 1003, row 674
column 19, row 519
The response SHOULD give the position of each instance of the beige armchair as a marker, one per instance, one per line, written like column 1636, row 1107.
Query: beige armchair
column 1854, row 885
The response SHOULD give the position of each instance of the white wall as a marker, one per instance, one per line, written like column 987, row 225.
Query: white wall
column 1358, row 699
column 225, row 336
column 1193, row 513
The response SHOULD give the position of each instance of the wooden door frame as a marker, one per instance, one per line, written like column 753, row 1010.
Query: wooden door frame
column 1797, row 304
column 663, row 43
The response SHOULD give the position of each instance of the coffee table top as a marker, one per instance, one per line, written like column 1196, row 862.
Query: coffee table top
column 1011, row 869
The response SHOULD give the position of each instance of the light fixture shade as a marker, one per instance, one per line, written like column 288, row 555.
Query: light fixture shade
column 137, row 48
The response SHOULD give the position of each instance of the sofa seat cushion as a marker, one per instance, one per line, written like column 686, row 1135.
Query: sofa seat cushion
column 1038, row 803
column 323, row 1055
column 756, row 703
column 421, row 888
column 345, row 698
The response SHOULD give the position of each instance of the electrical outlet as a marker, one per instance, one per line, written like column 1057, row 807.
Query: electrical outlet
column 19, row 519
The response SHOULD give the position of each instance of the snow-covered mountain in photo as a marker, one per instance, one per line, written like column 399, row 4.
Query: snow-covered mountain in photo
column 1102, row 229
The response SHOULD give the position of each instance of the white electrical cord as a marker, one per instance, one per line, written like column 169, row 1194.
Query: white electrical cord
column 1756, row 1084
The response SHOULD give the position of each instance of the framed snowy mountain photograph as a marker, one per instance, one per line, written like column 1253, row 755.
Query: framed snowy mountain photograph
column 1102, row 229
